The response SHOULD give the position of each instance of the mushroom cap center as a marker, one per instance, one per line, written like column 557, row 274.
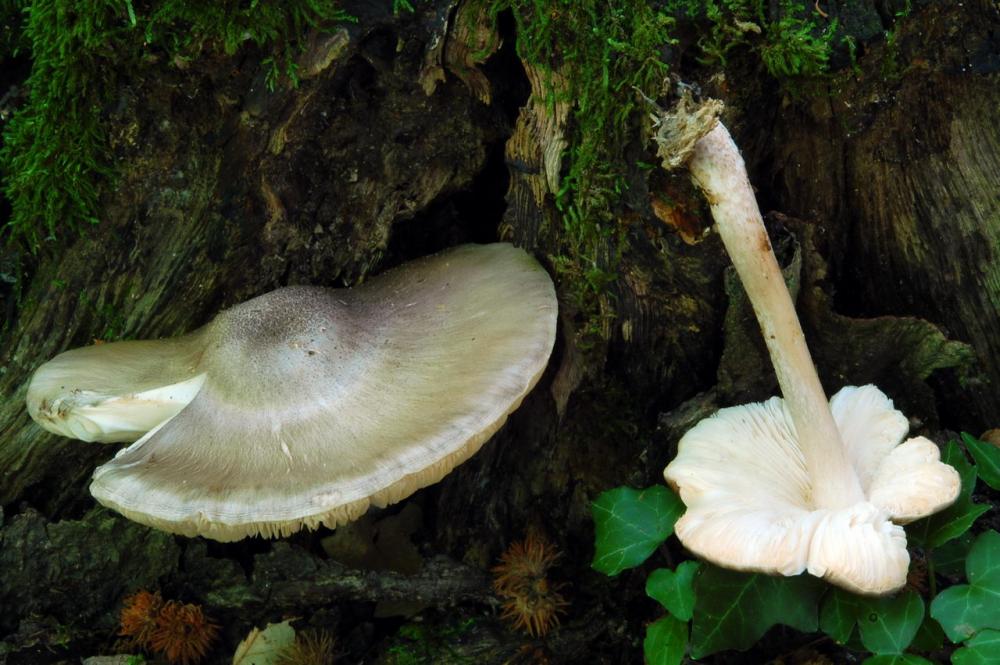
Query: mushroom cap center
column 295, row 337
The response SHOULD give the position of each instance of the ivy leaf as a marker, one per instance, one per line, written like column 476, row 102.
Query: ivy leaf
column 896, row 659
column 987, row 458
column 629, row 524
column 952, row 454
column 838, row 615
column 666, row 641
column 964, row 609
column 983, row 649
column 949, row 559
column 674, row 589
column 952, row 522
column 930, row 637
column 733, row 610
column 886, row 625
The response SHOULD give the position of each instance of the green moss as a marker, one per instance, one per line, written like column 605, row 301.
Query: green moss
column 12, row 40
column 606, row 52
column 187, row 26
column 891, row 68
column 609, row 51
column 55, row 156
column 795, row 47
column 419, row 643
column 53, row 153
column 790, row 40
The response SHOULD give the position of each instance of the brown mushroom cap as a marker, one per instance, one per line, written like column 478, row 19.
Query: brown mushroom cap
column 317, row 403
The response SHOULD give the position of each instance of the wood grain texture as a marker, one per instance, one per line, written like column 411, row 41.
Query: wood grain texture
column 900, row 165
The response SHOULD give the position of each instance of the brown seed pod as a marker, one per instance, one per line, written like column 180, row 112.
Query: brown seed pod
column 183, row 633
column 530, row 601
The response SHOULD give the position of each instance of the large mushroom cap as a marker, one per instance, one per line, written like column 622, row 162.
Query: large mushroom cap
column 317, row 403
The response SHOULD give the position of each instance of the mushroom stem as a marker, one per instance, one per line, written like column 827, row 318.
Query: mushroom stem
column 718, row 170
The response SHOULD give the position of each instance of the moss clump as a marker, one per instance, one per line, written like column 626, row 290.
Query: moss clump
column 788, row 38
column 55, row 156
column 53, row 153
column 418, row 643
column 12, row 39
column 186, row 26
column 606, row 51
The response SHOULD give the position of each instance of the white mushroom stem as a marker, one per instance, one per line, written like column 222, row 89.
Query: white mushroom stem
column 718, row 170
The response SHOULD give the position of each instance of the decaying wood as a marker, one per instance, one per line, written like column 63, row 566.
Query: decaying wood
column 77, row 571
column 900, row 163
column 895, row 353
column 534, row 155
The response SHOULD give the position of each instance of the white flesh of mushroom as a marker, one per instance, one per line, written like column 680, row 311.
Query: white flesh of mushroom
column 115, row 392
column 797, row 484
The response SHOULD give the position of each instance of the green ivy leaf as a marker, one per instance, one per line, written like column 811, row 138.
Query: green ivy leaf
column 983, row 649
column 629, row 524
column 666, row 641
column 952, row 454
column 930, row 637
column 838, row 615
column 964, row 609
column 896, row 659
column 886, row 625
column 949, row 559
column 733, row 610
column 674, row 589
column 987, row 458
column 952, row 522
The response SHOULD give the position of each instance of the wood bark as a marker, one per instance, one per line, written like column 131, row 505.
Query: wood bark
column 900, row 165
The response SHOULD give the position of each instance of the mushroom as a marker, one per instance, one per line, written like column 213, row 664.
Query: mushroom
column 307, row 405
column 794, row 484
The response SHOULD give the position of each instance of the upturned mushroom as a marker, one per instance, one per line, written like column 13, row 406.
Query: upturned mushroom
column 794, row 484
column 307, row 405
